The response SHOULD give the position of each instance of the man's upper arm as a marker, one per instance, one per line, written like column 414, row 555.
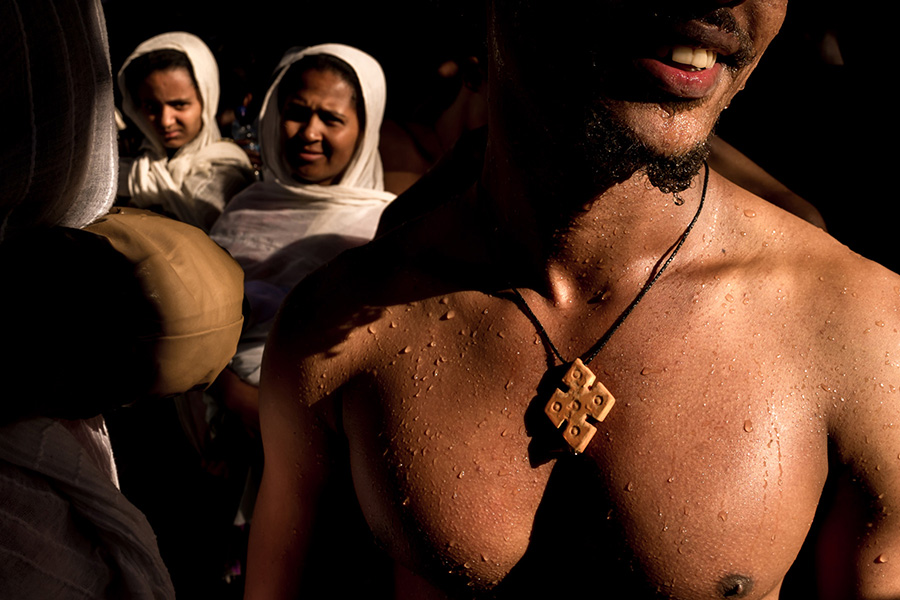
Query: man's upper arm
column 866, row 435
column 295, row 441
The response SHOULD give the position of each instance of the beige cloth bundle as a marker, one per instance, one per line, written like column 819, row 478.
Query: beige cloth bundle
column 194, row 291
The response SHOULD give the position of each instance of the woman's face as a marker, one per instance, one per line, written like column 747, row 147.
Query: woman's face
column 170, row 102
column 320, row 127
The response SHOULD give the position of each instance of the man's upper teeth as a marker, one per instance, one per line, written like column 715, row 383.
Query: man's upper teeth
column 699, row 58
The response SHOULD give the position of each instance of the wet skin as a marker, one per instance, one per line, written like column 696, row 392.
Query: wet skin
column 731, row 377
column 766, row 350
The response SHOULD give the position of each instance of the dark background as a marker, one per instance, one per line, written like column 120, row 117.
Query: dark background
column 825, row 131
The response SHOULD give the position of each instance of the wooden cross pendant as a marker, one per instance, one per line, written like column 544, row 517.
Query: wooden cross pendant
column 579, row 402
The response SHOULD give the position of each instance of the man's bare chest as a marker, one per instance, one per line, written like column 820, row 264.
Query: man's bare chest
column 709, row 465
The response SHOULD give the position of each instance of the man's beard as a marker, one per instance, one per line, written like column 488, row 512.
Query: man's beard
column 615, row 153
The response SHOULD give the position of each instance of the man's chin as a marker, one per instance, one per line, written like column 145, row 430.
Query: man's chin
column 673, row 174
column 618, row 152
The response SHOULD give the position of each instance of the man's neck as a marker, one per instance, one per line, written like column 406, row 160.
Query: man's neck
column 572, row 248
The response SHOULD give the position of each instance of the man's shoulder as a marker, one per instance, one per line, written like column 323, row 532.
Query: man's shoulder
column 772, row 234
column 788, row 258
column 328, row 317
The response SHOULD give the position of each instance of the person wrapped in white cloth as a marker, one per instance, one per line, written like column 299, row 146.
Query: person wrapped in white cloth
column 99, row 309
column 323, row 183
column 170, row 89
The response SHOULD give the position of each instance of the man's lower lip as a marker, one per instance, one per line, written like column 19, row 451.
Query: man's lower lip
column 681, row 83
column 310, row 156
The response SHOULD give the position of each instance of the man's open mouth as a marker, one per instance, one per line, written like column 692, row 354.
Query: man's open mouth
column 688, row 58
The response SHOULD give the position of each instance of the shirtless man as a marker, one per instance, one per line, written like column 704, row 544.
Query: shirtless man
column 761, row 364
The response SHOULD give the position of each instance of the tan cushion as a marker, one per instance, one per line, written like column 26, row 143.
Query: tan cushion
column 195, row 287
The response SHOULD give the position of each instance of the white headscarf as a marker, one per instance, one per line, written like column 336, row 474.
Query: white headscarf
column 280, row 210
column 279, row 229
column 58, row 157
column 364, row 173
column 154, row 178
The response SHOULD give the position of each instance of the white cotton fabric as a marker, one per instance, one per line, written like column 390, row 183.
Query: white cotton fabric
column 65, row 529
column 279, row 229
column 195, row 184
column 56, row 485
column 58, row 157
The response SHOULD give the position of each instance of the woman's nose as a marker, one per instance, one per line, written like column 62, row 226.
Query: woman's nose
column 167, row 116
column 312, row 130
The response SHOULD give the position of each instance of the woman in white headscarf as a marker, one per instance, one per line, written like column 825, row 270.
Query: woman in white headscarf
column 170, row 89
column 323, row 184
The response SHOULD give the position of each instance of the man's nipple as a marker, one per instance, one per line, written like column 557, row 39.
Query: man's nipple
column 735, row 586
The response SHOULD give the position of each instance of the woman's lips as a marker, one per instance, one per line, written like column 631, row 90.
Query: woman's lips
column 308, row 156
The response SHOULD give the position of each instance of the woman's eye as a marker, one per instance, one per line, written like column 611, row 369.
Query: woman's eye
column 297, row 113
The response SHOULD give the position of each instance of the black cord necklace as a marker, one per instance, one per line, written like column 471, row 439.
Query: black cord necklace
column 583, row 397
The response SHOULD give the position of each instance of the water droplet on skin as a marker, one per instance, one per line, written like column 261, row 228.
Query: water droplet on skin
column 879, row 323
column 629, row 487
column 406, row 350
column 461, row 473
column 723, row 516
column 729, row 298
column 880, row 559
column 393, row 325
column 748, row 425
column 448, row 315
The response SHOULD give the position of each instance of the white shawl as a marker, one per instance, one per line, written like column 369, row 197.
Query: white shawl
column 195, row 184
column 65, row 529
column 280, row 230
column 59, row 132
